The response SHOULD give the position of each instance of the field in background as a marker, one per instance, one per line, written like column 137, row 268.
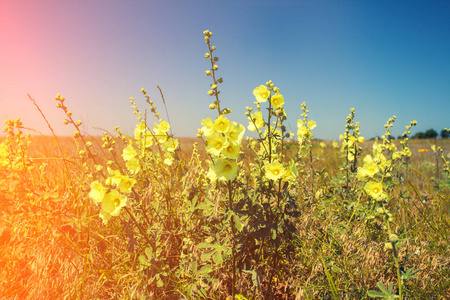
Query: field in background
column 55, row 247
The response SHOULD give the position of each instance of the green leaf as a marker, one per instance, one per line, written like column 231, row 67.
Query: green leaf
column 237, row 222
column 205, row 269
column 206, row 245
column 149, row 253
column 207, row 255
column 374, row 294
column 218, row 258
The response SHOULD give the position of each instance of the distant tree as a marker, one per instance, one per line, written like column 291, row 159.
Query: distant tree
column 419, row 135
column 445, row 134
column 431, row 134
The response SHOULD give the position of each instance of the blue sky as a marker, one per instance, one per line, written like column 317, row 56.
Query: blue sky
column 381, row 57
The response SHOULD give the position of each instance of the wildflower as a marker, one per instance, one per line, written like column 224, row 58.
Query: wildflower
column 129, row 153
column 125, row 184
column 133, row 165
column 97, row 192
column 221, row 124
column 274, row 170
column 231, row 151
column 207, row 126
column 111, row 204
column 236, row 132
column 422, row 150
column 375, row 190
column 170, row 145
column 261, row 93
column 215, row 143
column 141, row 127
column 226, row 169
column 256, row 121
column 277, row 100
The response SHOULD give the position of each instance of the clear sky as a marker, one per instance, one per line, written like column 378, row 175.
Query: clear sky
column 381, row 57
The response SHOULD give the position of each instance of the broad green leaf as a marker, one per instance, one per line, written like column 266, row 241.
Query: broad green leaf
column 207, row 255
column 205, row 269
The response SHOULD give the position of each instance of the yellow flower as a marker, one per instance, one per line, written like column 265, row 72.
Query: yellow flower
column 312, row 124
column 125, row 184
column 111, row 205
column 277, row 100
column 274, row 170
column 375, row 190
column 221, row 124
column 236, row 132
column 215, row 143
column 225, row 169
column 231, row 151
column 207, row 126
column 160, row 130
column 139, row 130
column 129, row 153
column 133, row 165
column 261, row 93
column 170, row 145
column 255, row 121
column 97, row 192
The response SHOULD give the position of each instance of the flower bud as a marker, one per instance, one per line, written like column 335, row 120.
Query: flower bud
column 216, row 59
column 207, row 55
column 393, row 238
column 213, row 48
column 210, row 92
column 215, row 67
column 79, row 123
column 69, row 113
column 208, row 73
column 220, row 80
column 66, row 122
column 58, row 96
column 212, row 106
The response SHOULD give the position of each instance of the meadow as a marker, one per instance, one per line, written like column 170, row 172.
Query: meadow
column 223, row 215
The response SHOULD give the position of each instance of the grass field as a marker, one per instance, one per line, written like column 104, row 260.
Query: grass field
column 221, row 216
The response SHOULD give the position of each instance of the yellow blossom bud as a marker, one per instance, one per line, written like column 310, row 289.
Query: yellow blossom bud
column 213, row 48
column 66, row 122
column 207, row 55
column 58, row 96
column 208, row 73
column 69, row 113
column 215, row 67
column 210, row 92
column 58, row 105
column 212, row 106
column 79, row 123
column 393, row 238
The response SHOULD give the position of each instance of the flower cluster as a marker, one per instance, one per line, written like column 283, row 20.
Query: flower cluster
column 14, row 149
column 223, row 143
column 113, row 197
